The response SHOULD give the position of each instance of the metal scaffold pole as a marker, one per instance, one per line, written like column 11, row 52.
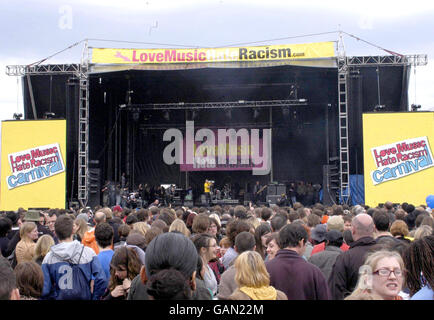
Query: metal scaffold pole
column 83, row 130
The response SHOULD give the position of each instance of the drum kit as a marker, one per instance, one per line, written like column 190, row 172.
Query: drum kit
column 221, row 194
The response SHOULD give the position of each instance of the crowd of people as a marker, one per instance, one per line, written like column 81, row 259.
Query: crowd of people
column 297, row 252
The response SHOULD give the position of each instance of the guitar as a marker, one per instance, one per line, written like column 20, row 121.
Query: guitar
column 262, row 189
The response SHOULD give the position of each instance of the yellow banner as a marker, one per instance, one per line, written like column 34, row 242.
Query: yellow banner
column 240, row 54
column 33, row 164
column 398, row 162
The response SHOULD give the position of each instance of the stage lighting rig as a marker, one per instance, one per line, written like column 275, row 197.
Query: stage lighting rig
column 49, row 115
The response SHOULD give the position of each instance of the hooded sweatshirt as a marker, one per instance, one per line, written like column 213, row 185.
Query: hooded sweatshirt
column 57, row 270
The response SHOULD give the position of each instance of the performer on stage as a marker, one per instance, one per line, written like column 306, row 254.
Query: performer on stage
column 257, row 192
column 207, row 190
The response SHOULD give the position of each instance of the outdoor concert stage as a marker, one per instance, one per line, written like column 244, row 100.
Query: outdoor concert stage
column 130, row 109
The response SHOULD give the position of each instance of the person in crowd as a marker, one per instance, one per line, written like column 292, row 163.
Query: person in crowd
column 244, row 241
column 123, row 232
column 151, row 234
column 104, row 239
column 345, row 272
column 214, row 227
column 224, row 245
column 419, row 264
column 30, row 279
column 261, row 234
column 124, row 267
column 161, row 225
column 5, row 227
column 24, row 216
column 317, row 235
column 25, row 249
column 278, row 222
column 382, row 224
column 131, row 219
column 137, row 241
column 206, row 246
column 16, row 222
column 8, row 281
column 179, row 226
column 272, row 244
column 348, row 237
column 201, row 224
column 347, row 221
column 51, row 219
column 80, row 228
column 291, row 273
column 89, row 236
column 265, row 214
column 167, row 216
column 59, row 260
column 112, row 222
column 382, row 274
column 142, row 227
column 43, row 246
column 233, row 229
column 335, row 222
column 399, row 229
column 253, row 280
column 390, row 211
column 423, row 231
column 313, row 220
column 325, row 259
column 170, row 250
column 169, row 284
column 202, row 292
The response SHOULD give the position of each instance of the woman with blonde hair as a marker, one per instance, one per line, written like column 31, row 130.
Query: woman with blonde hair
column 80, row 228
column 142, row 227
column 381, row 276
column 43, row 246
column 25, row 249
column 179, row 226
column 253, row 280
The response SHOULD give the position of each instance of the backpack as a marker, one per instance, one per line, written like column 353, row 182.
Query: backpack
column 73, row 284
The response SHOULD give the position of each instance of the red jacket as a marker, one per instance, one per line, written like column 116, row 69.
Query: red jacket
column 320, row 247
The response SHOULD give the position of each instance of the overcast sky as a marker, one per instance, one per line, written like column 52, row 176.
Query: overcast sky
column 31, row 30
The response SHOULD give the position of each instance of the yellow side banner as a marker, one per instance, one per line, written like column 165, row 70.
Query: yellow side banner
column 398, row 153
column 33, row 164
column 260, row 53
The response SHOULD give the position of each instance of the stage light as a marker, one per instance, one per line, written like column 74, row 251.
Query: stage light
column 285, row 111
column 166, row 115
column 194, row 114
column 255, row 113
column 18, row 116
column 414, row 107
column 49, row 115
column 379, row 107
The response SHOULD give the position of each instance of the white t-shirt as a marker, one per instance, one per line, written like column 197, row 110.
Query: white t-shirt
column 210, row 280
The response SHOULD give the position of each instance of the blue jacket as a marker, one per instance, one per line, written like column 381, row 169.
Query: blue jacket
column 57, row 270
